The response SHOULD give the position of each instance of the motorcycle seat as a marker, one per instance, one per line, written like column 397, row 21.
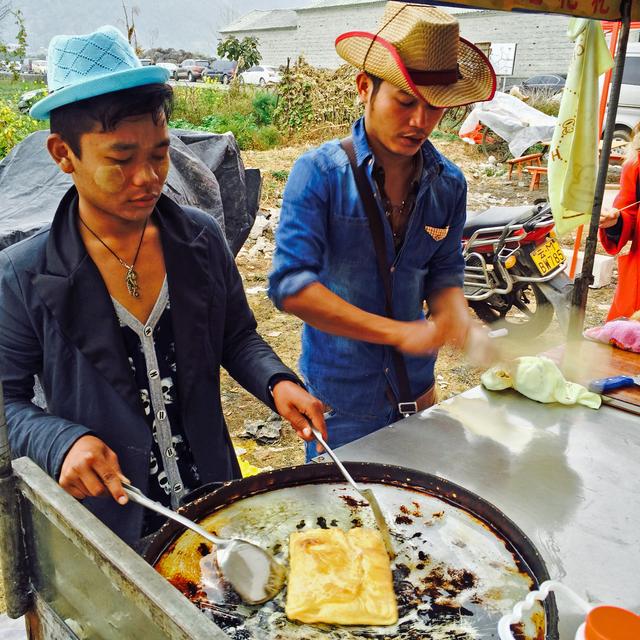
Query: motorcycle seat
column 497, row 217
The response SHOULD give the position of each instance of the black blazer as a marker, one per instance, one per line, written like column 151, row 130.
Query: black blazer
column 57, row 321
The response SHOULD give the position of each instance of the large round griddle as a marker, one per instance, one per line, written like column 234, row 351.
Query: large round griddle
column 461, row 562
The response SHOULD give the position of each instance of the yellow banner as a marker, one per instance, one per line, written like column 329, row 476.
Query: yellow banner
column 573, row 155
column 595, row 9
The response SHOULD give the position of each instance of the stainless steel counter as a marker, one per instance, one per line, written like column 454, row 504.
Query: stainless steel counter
column 568, row 476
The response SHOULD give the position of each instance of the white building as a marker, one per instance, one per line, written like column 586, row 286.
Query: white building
column 541, row 44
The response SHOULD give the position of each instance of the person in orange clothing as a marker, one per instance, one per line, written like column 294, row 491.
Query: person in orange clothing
column 619, row 226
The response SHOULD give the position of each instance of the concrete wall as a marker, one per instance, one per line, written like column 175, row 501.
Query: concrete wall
column 542, row 44
column 275, row 45
column 318, row 29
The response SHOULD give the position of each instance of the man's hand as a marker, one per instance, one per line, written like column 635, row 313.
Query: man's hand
column 298, row 406
column 608, row 218
column 418, row 338
column 91, row 469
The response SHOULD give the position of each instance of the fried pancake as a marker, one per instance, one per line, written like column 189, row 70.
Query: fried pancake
column 340, row 578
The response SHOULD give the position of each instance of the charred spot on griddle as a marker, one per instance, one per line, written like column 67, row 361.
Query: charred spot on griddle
column 462, row 579
column 356, row 522
column 420, row 566
column 353, row 503
column 400, row 572
column 439, row 612
column 417, row 534
column 322, row 522
column 459, row 543
column 403, row 520
column 301, row 524
column 277, row 548
column 188, row 587
column 450, row 581
column 423, row 556
column 203, row 550
column 334, row 523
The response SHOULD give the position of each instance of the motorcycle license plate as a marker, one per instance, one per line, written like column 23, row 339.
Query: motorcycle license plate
column 548, row 256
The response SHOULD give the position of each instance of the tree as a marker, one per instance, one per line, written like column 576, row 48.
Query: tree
column 245, row 52
column 11, row 54
column 130, row 26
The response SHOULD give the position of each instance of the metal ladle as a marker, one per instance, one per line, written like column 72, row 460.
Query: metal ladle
column 254, row 574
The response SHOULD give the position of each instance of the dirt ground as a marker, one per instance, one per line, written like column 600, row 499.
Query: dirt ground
column 488, row 186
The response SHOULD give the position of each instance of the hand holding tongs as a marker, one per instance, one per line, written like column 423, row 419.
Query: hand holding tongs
column 367, row 494
column 250, row 570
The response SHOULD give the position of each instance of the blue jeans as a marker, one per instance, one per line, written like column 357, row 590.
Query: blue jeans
column 343, row 429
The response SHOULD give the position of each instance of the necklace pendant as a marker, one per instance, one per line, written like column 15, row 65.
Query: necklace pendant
column 132, row 283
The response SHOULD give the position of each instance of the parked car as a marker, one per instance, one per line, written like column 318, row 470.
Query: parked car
column 10, row 66
column 260, row 75
column 146, row 62
column 628, row 113
column 191, row 69
column 171, row 66
column 550, row 83
column 29, row 98
column 39, row 66
column 222, row 70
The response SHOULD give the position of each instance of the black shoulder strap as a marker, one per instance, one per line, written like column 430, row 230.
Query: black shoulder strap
column 406, row 404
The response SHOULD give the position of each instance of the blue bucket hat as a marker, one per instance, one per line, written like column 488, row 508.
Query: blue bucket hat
column 86, row 66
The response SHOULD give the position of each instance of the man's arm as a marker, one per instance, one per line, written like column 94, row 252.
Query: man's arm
column 321, row 308
column 83, row 465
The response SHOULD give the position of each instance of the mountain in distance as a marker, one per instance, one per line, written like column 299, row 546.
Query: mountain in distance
column 189, row 24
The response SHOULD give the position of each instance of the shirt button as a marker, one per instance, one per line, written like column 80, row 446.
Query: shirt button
column 177, row 487
column 170, row 452
column 148, row 331
column 153, row 374
column 386, row 370
column 161, row 415
column 392, row 269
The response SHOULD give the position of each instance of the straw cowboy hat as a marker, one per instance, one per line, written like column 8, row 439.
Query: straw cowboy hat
column 86, row 66
column 418, row 48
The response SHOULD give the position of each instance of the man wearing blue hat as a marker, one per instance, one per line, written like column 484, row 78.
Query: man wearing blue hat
column 127, row 306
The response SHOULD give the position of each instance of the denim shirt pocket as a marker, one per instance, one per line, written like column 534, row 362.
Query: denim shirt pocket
column 351, row 241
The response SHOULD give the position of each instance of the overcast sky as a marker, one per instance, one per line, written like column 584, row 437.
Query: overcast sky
column 184, row 24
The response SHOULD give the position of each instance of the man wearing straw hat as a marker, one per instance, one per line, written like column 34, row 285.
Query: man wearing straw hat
column 371, row 227
column 127, row 306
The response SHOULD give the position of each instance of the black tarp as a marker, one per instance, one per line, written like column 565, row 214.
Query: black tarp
column 206, row 172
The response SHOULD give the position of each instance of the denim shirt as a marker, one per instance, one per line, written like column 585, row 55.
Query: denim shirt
column 324, row 236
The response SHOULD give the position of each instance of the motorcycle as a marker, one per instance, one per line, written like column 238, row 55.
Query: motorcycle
column 514, row 273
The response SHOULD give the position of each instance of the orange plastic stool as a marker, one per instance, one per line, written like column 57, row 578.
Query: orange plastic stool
column 612, row 623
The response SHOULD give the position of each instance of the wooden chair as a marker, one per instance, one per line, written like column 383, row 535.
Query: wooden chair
column 534, row 159
column 536, row 172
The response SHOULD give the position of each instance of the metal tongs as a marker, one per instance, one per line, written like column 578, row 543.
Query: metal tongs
column 367, row 494
column 254, row 574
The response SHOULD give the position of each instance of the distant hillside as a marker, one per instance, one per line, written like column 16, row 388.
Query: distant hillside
column 188, row 24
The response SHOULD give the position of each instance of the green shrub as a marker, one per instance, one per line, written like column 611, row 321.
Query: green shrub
column 264, row 104
column 14, row 127
column 266, row 138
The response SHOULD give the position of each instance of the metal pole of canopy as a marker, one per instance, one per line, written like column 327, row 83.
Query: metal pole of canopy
column 582, row 282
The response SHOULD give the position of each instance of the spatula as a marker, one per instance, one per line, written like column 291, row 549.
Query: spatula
column 367, row 494
column 254, row 574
